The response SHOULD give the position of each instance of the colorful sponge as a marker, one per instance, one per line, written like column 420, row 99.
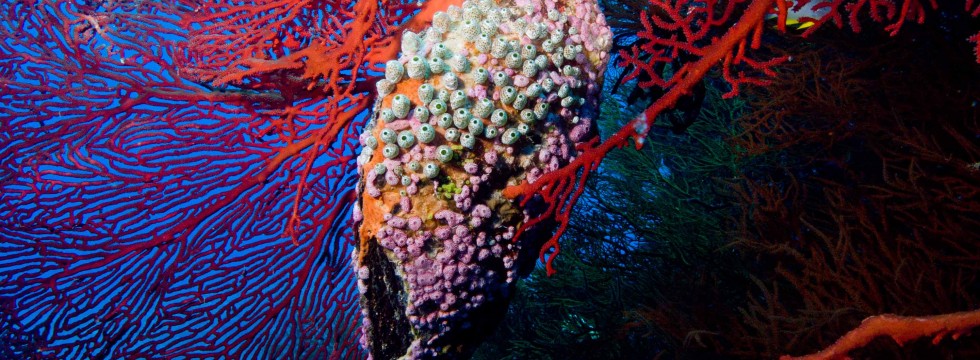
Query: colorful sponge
column 498, row 94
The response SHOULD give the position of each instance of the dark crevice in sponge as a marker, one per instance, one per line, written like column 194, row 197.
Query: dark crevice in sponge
column 385, row 300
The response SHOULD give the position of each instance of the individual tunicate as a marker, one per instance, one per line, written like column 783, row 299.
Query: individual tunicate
column 476, row 126
column 444, row 153
column 482, row 108
column 385, row 87
column 426, row 92
column 437, row 107
column 467, row 140
column 388, row 135
column 417, row 68
column 426, row 133
column 390, row 151
column 461, row 118
column 394, row 71
column 445, row 121
column 406, row 139
column 508, row 94
column 510, row 136
column 400, row 106
column 430, row 170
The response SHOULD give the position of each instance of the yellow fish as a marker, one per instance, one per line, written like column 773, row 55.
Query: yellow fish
column 803, row 18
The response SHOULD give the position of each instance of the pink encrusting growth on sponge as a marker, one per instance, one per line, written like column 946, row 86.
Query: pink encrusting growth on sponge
column 488, row 96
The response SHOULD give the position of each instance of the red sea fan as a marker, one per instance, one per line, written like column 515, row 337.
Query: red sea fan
column 176, row 181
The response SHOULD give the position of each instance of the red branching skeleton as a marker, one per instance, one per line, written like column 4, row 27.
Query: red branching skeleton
column 688, row 27
column 561, row 188
column 177, row 176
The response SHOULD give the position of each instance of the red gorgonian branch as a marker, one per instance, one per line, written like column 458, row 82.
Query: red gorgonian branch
column 161, row 161
column 561, row 188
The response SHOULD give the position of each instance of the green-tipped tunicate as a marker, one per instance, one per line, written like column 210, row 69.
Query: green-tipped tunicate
column 529, row 51
column 529, row 69
column 570, row 51
column 430, row 170
column 508, row 94
column 501, row 79
column 440, row 50
column 470, row 29
column 547, row 84
column 510, row 136
column 520, row 101
column 452, row 134
column 400, row 106
column 527, row 116
column 388, row 135
column 571, row 71
column 532, row 90
column 445, row 121
column 513, row 60
column 487, row 27
column 557, row 36
column 444, row 153
column 564, row 90
column 443, row 94
column 417, row 68
column 436, row 65
column 385, row 87
column 518, row 25
column 557, row 59
column 386, row 115
column 481, row 75
column 457, row 99
column 411, row 42
column 568, row 102
column 541, row 61
column 426, row 92
column 421, row 114
column 450, row 81
column 459, row 63
column 370, row 142
column 461, row 118
column 394, row 71
column 490, row 132
column 483, row 107
column 499, row 117
column 541, row 110
column 536, row 31
column 390, row 151
column 499, row 48
column 467, row 140
column 437, row 107
column 476, row 126
column 426, row 133
column 406, row 139
column 483, row 43
column 441, row 22
column 548, row 46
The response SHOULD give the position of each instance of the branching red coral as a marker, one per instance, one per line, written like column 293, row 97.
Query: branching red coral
column 162, row 159
column 901, row 329
column 560, row 189
column 865, row 201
